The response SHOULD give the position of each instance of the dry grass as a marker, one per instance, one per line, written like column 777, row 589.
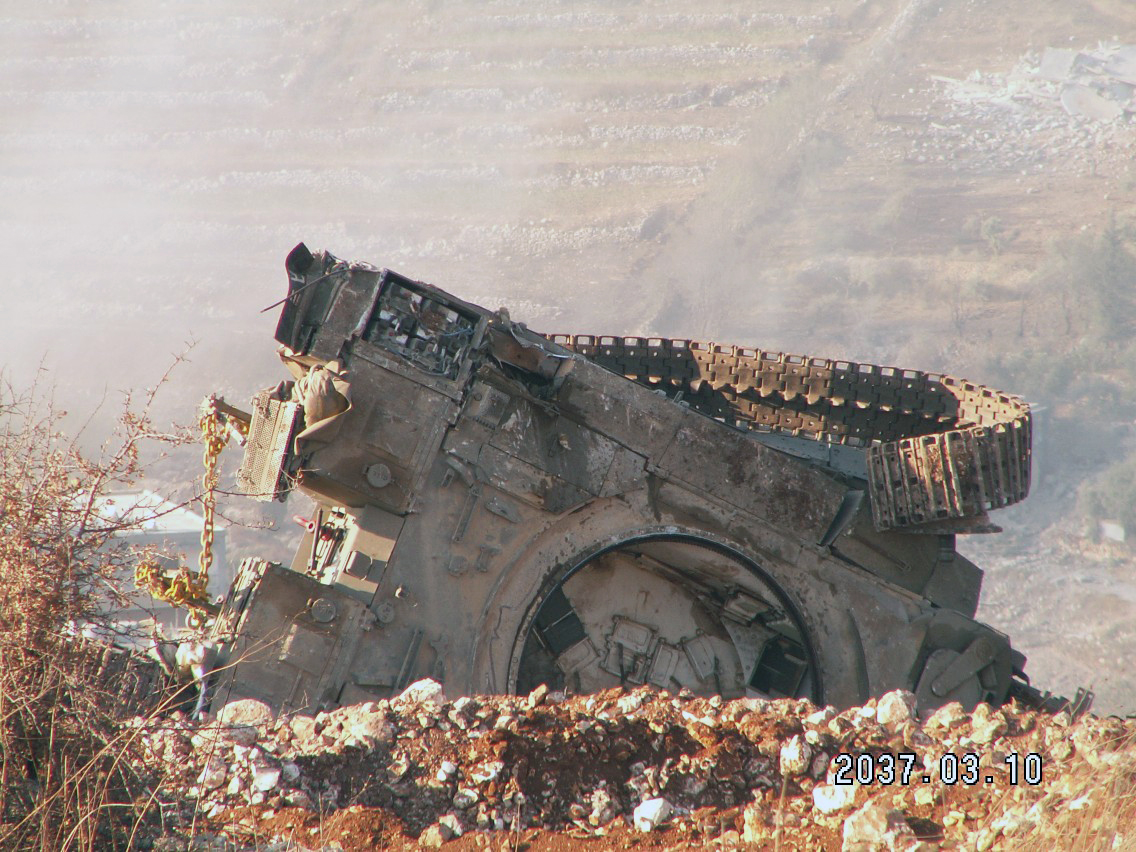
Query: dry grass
column 68, row 779
column 1097, row 810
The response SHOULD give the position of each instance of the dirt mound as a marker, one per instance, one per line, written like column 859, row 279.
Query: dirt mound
column 641, row 768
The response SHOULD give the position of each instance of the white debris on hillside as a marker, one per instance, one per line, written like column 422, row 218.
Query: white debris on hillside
column 1098, row 84
column 1058, row 110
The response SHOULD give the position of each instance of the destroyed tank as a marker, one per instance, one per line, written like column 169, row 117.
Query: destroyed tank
column 499, row 509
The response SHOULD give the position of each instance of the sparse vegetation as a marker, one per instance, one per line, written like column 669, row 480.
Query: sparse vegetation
column 892, row 215
column 1094, row 277
column 1104, row 818
column 67, row 778
column 1074, row 360
column 1112, row 496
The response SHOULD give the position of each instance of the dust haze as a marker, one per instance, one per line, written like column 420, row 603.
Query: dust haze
column 876, row 180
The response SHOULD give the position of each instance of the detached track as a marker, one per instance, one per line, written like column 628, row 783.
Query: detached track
column 938, row 448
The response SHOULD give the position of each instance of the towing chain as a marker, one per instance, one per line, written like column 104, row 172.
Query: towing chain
column 938, row 449
column 214, row 437
column 190, row 589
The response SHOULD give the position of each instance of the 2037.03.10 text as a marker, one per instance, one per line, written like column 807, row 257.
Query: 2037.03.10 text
column 906, row 768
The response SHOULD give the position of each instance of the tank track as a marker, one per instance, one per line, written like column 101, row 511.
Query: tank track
column 938, row 449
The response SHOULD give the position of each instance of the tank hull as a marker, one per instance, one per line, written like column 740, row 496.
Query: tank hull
column 499, row 509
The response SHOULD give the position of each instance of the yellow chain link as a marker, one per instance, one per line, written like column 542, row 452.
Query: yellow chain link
column 215, row 438
column 186, row 588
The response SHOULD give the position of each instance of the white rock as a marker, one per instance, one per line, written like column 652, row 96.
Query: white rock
column 372, row 729
column 426, row 691
column 464, row 703
column 795, row 757
column 875, row 826
column 830, row 798
column 212, row 775
column 265, row 778
column 651, row 813
column 447, row 770
column 398, row 768
column 537, row 696
column 950, row 715
column 1009, row 824
column 895, row 708
column 246, row 711
column 302, row 727
column 603, row 808
column 753, row 823
column 465, row 798
column 487, row 771
column 299, row 799
column 504, row 721
column 1080, row 802
column 242, row 735
column 289, row 770
column 821, row 717
column 432, row 837
column 986, row 724
column 629, row 703
column 209, row 736
column 987, row 733
column 450, row 823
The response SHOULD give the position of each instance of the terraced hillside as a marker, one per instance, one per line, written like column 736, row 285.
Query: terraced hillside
column 867, row 179
column 517, row 151
column 157, row 157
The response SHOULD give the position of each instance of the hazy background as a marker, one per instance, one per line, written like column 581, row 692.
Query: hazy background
column 878, row 180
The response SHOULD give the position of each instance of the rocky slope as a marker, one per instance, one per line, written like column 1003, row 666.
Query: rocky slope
column 643, row 769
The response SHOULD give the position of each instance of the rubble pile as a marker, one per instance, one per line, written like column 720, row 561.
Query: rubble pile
column 1059, row 110
column 641, row 767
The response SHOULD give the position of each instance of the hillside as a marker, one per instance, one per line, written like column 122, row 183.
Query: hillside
column 892, row 181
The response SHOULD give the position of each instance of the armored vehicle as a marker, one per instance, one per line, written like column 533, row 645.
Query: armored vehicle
column 498, row 509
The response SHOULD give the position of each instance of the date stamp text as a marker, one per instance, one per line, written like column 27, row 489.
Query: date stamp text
column 906, row 768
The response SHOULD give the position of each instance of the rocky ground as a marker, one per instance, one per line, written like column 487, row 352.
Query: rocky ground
column 642, row 769
column 877, row 180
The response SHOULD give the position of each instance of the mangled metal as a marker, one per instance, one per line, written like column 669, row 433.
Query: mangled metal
column 498, row 509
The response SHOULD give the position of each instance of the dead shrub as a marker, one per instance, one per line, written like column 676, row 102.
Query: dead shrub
column 68, row 778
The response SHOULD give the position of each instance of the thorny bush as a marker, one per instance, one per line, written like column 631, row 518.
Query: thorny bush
column 66, row 765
